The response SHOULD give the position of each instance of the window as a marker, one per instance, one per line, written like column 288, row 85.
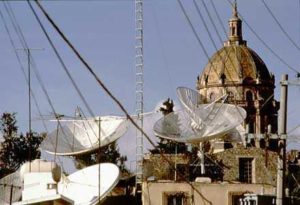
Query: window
column 233, row 31
column 178, row 198
column 235, row 198
column 249, row 96
column 230, row 97
column 245, row 170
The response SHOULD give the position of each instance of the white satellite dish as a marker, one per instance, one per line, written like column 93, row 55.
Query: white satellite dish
column 11, row 182
column 83, row 186
column 191, row 100
column 215, row 120
column 80, row 136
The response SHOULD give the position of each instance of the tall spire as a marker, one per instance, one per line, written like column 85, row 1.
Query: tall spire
column 235, row 13
column 235, row 28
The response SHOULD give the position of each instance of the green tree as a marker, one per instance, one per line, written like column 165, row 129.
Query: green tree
column 16, row 148
column 164, row 145
column 109, row 153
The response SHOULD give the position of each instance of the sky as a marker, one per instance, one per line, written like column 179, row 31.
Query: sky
column 103, row 31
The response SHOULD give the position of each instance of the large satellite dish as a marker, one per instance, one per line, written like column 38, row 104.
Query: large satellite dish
column 212, row 121
column 191, row 100
column 11, row 182
column 75, row 137
column 83, row 186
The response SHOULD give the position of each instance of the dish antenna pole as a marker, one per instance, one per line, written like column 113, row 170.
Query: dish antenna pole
column 139, row 90
column 28, row 52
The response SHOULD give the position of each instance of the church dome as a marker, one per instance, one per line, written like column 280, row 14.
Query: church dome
column 235, row 64
column 237, row 72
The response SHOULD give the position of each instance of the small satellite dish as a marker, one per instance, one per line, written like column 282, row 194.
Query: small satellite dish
column 75, row 137
column 83, row 186
column 11, row 182
column 215, row 120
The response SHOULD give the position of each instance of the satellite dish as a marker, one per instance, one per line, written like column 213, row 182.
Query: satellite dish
column 215, row 120
column 191, row 100
column 83, row 186
column 75, row 137
column 11, row 181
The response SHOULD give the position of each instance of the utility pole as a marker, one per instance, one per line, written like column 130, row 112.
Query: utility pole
column 28, row 52
column 281, row 164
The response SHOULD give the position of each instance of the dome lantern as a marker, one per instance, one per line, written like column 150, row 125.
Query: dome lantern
column 235, row 29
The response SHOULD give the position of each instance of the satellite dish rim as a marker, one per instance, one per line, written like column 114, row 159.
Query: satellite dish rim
column 88, row 170
column 220, row 134
column 106, row 141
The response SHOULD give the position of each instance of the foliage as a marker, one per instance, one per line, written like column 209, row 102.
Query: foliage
column 16, row 149
column 168, row 146
column 109, row 153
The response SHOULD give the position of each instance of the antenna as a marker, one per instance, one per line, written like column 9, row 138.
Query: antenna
column 28, row 52
column 139, row 89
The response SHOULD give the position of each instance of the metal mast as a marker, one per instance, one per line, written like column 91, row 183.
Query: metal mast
column 139, row 89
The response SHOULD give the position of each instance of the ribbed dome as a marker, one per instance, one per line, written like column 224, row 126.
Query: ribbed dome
column 235, row 64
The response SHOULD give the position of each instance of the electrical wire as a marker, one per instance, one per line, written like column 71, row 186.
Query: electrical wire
column 198, row 38
column 68, row 74
column 22, row 39
column 265, row 44
column 217, row 14
column 22, row 68
column 280, row 26
column 103, row 86
column 211, row 20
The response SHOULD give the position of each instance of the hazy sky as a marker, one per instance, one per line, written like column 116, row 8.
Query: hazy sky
column 104, row 33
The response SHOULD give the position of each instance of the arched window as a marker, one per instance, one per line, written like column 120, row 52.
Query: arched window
column 249, row 96
column 212, row 96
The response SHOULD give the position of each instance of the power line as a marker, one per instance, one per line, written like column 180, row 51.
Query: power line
column 22, row 39
column 217, row 13
column 103, row 86
column 266, row 45
column 280, row 26
column 64, row 66
column 21, row 67
column 211, row 20
column 197, row 36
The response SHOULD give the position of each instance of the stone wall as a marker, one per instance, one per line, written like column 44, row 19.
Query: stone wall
column 155, row 166
column 262, row 174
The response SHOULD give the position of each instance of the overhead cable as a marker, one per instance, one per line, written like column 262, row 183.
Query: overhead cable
column 24, row 44
column 280, row 26
column 265, row 44
column 197, row 36
column 217, row 13
column 103, row 86
column 22, row 67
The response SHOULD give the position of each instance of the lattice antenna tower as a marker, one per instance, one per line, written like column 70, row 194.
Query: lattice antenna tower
column 139, row 104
